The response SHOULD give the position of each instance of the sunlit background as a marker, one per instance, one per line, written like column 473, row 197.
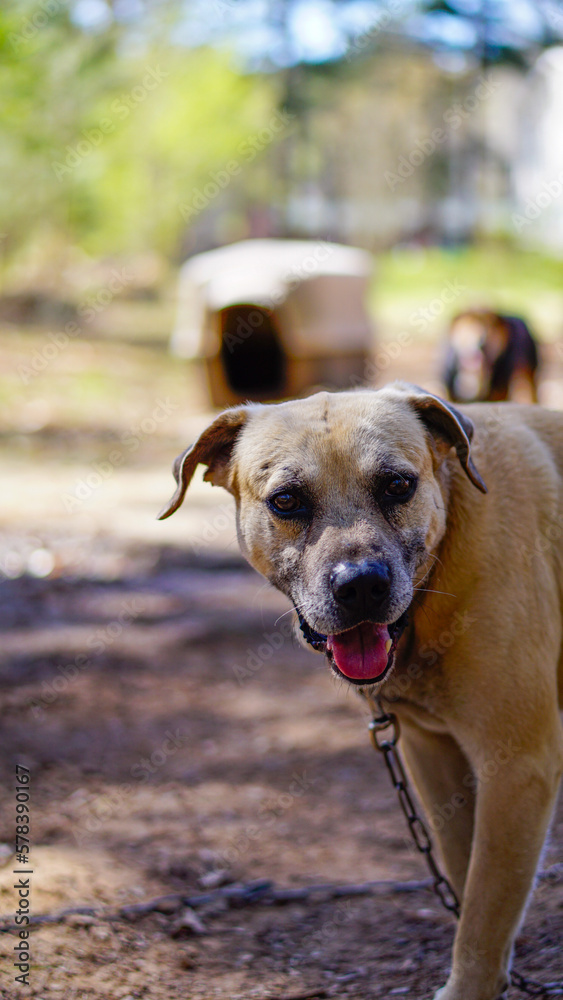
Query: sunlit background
column 135, row 135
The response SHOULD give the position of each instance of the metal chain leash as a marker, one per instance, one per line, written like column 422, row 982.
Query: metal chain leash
column 387, row 745
column 384, row 733
column 533, row 988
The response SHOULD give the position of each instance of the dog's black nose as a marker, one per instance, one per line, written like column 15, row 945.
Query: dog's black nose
column 361, row 587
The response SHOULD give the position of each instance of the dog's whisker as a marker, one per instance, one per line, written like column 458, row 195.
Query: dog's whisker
column 417, row 583
column 288, row 612
column 426, row 590
column 435, row 559
column 425, row 613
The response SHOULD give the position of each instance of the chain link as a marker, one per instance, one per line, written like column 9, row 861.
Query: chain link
column 533, row 988
column 387, row 745
column 384, row 732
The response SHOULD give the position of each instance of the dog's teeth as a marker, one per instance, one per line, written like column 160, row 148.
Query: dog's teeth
column 388, row 645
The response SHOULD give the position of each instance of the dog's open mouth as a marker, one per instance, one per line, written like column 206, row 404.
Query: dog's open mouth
column 363, row 654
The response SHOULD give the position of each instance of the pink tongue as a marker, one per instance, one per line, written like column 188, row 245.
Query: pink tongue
column 360, row 652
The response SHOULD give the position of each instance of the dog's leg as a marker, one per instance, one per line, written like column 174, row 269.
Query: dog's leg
column 523, row 388
column 444, row 781
column 515, row 798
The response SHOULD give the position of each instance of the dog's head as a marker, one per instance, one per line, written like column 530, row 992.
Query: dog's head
column 340, row 503
column 477, row 339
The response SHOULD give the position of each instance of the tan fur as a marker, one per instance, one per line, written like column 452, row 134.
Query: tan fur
column 478, row 672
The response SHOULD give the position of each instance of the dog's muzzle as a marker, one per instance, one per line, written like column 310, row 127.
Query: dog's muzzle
column 362, row 655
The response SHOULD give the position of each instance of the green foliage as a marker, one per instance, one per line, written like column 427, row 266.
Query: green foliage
column 166, row 145
column 105, row 136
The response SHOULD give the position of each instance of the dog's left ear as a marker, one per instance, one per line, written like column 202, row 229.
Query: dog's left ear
column 214, row 449
column 449, row 423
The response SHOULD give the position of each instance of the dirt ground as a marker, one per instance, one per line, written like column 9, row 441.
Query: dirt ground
column 178, row 739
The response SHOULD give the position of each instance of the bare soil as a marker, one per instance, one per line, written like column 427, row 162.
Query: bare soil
column 200, row 746
column 176, row 738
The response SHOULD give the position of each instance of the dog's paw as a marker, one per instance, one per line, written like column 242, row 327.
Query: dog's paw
column 449, row 992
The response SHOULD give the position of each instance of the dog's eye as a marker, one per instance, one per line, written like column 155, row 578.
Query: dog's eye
column 287, row 503
column 400, row 487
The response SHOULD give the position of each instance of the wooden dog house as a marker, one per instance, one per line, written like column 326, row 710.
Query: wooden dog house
column 270, row 319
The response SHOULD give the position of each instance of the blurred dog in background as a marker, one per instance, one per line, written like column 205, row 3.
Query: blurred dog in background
column 490, row 356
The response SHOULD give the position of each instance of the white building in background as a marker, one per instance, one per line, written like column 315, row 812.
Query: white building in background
column 496, row 167
column 410, row 151
column 538, row 165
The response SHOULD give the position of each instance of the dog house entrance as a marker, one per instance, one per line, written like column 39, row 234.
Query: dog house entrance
column 253, row 359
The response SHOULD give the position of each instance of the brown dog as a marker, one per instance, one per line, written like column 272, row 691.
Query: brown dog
column 439, row 594
column 490, row 357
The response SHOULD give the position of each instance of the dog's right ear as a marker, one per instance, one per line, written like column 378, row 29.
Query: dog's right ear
column 452, row 425
column 214, row 449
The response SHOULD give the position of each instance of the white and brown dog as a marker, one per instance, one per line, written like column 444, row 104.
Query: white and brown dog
column 490, row 357
column 368, row 510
